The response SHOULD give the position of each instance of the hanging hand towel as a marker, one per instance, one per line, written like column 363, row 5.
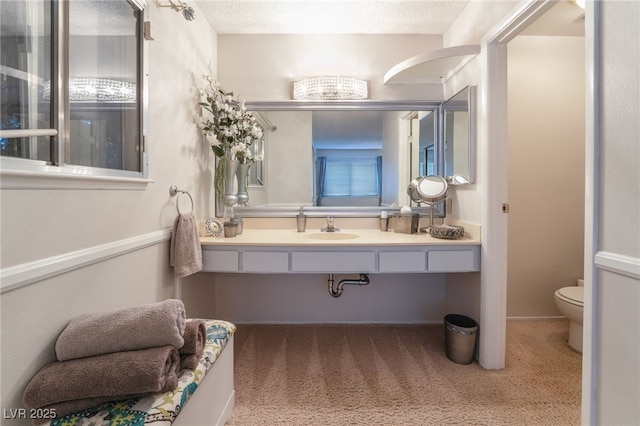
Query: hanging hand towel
column 185, row 254
column 138, row 327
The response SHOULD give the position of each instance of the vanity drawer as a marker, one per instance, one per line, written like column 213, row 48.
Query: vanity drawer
column 265, row 261
column 402, row 261
column 333, row 261
column 219, row 261
column 451, row 261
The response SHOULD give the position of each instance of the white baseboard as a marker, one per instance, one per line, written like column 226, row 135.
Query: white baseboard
column 24, row 274
column 536, row 318
column 237, row 322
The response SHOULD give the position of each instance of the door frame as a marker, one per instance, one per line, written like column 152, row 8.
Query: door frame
column 495, row 158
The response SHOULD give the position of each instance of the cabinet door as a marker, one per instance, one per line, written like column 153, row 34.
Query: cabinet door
column 265, row 261
column 402, row 261
column 219, row 261
column 451, row 261
column 324, row 261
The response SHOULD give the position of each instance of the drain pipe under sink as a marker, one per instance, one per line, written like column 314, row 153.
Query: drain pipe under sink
column 337, row 292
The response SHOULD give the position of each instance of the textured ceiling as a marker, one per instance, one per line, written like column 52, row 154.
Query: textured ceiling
column 364, row 17
column 330, row 16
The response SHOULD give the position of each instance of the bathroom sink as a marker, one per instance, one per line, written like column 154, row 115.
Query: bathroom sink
column 331, row 236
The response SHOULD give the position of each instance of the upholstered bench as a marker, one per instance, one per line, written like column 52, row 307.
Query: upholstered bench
column 204, row 396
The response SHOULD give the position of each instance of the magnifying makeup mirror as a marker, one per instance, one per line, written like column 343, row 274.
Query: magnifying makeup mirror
column 430, row 190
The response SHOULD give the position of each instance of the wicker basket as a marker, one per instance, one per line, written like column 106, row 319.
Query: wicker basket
column 447, row 232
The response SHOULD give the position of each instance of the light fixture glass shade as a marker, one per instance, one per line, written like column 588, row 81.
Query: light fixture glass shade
column 90, row 89
column 330, row 88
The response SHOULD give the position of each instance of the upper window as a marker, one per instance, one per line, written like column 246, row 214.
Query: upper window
column 71, row 75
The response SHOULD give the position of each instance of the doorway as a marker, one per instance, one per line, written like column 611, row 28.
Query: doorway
column 546, row 151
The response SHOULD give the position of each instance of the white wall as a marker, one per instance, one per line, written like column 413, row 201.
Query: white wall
column 476, row 20
column 546, row 171
column 466, row 198
column 40, row 224
column 289, row 158
column 263, row 67
column 304, row 298
column 616, row 355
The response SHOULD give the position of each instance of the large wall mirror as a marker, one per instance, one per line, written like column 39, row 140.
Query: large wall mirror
column 342, row 159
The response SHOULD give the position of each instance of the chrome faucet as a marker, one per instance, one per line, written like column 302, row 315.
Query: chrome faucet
column 330, row 227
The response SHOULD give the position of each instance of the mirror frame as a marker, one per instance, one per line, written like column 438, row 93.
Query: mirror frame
column 351, row 211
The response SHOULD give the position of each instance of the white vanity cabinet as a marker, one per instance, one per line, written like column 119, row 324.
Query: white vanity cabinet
column 341, row 259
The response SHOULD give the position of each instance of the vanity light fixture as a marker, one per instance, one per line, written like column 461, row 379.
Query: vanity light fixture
column 102, row 90
column 330, row 88
column 179, row 6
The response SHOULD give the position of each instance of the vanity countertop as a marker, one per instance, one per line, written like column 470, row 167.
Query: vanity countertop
column 366, row 237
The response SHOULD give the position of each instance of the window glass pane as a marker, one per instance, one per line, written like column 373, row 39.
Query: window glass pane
column 25, row 62
column 364, row 179
column 337, row 179
column 351, row 178
column 103, row 82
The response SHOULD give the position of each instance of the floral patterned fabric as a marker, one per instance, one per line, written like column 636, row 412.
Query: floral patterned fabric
column 158, row 409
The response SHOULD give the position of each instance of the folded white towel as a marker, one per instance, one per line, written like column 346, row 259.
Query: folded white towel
column 185, row 253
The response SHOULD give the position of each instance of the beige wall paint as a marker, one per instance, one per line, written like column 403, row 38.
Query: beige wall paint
column 38, row 224
column 546, row 171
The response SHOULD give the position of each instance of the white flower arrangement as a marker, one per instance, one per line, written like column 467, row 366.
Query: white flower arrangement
column 231, row 129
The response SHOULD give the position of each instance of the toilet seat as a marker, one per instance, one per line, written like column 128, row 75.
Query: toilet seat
column 573, row 295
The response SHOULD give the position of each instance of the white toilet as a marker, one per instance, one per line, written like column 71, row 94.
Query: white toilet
column 570, row 302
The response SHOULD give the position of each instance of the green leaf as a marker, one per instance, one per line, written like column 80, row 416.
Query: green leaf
column 218, row 151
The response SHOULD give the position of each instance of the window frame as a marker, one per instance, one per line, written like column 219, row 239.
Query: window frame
column 24, row 173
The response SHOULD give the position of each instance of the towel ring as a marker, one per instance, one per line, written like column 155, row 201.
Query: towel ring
column 175, row 191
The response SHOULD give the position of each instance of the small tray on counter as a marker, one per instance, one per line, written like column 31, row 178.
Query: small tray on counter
column 447, row 232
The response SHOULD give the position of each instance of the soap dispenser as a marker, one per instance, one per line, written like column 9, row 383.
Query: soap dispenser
column 301, row 220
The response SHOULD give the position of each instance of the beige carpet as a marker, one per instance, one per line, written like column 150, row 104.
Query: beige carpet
column 400, row 375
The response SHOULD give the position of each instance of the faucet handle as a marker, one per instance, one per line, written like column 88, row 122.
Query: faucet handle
column 330, row 221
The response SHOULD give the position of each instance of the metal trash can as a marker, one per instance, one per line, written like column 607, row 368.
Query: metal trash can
column 460, row 333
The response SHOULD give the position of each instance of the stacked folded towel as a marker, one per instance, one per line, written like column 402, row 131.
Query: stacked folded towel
column 139, row 327
column 118, row 355
column 195, row 336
